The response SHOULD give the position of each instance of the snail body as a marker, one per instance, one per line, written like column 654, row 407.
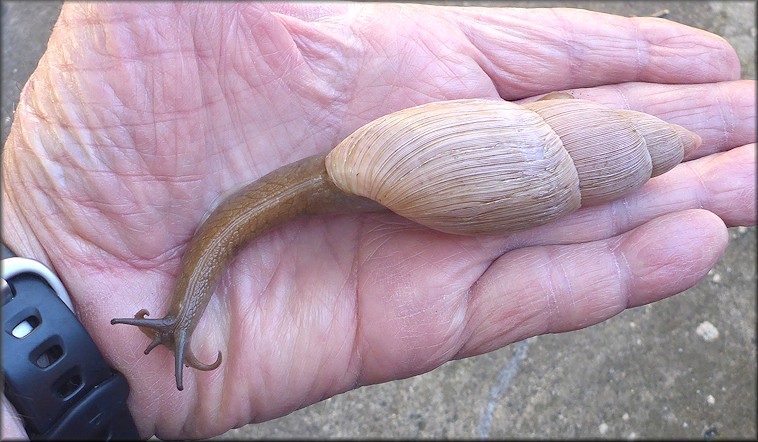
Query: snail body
column 469, row 167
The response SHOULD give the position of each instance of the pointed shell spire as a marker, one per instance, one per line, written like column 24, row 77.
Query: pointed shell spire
column 667, row 143
column 610, row 156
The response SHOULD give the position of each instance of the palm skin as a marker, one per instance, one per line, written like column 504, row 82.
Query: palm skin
column 139, row 116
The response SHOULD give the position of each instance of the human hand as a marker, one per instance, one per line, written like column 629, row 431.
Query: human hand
column 138, row 117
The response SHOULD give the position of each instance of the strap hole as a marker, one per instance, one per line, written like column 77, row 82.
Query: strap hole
column 49, row 356
column 26, row 326
column 69, row 386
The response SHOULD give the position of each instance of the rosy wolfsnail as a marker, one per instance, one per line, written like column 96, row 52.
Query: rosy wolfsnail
column 463, row 166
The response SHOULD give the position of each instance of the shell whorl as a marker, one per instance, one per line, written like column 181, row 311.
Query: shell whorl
column 480, row 166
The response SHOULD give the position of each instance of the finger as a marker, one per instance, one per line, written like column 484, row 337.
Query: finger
column 530, row 51
column 723, row 114
column 13, row 426
column 309, row 12
column 552, row 289
column 722, row 183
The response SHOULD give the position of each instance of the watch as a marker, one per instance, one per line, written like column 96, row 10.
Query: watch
column 54, row 374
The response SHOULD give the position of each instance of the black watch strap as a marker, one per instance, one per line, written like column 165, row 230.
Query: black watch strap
column 54, row 375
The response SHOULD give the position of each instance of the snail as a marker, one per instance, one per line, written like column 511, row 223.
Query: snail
column 466, row 167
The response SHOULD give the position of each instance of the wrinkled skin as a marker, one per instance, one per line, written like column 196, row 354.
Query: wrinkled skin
column 139, row 116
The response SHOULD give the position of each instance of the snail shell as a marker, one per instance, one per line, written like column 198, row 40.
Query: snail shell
column 486, row 167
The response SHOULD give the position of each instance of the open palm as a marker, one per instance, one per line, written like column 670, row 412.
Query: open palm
column 139, row 116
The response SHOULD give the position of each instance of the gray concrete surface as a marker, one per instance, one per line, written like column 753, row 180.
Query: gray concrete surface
column 650, row 372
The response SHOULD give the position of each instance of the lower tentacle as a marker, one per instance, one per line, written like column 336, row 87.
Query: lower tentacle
column 192, row 361
column 183, row 355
